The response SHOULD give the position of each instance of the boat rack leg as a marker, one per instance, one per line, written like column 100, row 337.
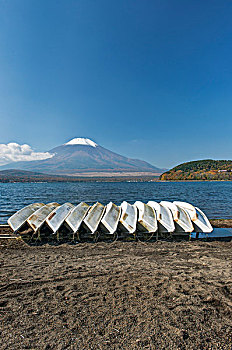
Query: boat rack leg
column 36, row 233
column 96, row 236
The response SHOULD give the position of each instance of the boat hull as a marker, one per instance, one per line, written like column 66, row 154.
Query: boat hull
column 76, row 216
column 198, row 218
column 110, row 219
column 57, row 217
column 38, row 218
column 91, row 221
column 17, row 220
column 128, row 219
column 164, row 217
column 146, row 221
column 181, row 218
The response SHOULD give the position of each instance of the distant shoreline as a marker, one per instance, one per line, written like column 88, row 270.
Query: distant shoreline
column 21, row 176
column 106, row 179
column 103, row 179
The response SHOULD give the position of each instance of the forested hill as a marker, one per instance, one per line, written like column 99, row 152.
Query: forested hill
column 207, row 169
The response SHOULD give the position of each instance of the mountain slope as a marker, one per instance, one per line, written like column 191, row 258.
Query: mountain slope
column 83, row 155
column 207, row 169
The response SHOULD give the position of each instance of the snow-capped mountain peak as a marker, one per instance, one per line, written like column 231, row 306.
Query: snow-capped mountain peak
column 82, row 155
column 81, row 141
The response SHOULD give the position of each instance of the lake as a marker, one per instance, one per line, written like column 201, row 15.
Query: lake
column 214, row 198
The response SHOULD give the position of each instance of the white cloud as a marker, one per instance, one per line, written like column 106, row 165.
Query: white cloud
column 13, row 152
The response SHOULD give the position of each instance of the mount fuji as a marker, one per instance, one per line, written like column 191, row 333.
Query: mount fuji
column 84, row 156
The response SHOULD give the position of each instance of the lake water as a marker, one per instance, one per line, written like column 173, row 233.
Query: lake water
column 217, row 233
column 214, row 198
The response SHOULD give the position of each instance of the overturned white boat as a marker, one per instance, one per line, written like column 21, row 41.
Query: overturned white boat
column 138, row 220
column 57, row 216
column 76, row 216
column 181, row 218
column 164, row 217
column 38, row 218
column 147, row 220
column 17, row 220
column 110, row 219
column 199, row 219
column 128, row 218
column 93, row 218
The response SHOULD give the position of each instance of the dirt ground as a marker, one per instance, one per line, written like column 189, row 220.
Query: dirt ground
column 125, row 295
column 221, row 223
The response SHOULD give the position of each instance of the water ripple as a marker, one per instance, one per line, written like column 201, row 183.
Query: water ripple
column 213, row 197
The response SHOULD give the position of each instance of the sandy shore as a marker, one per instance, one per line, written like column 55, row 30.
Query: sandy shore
column 161, row 295
column 221, row 223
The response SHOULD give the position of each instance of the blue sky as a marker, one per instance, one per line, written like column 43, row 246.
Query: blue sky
column 147, row 79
